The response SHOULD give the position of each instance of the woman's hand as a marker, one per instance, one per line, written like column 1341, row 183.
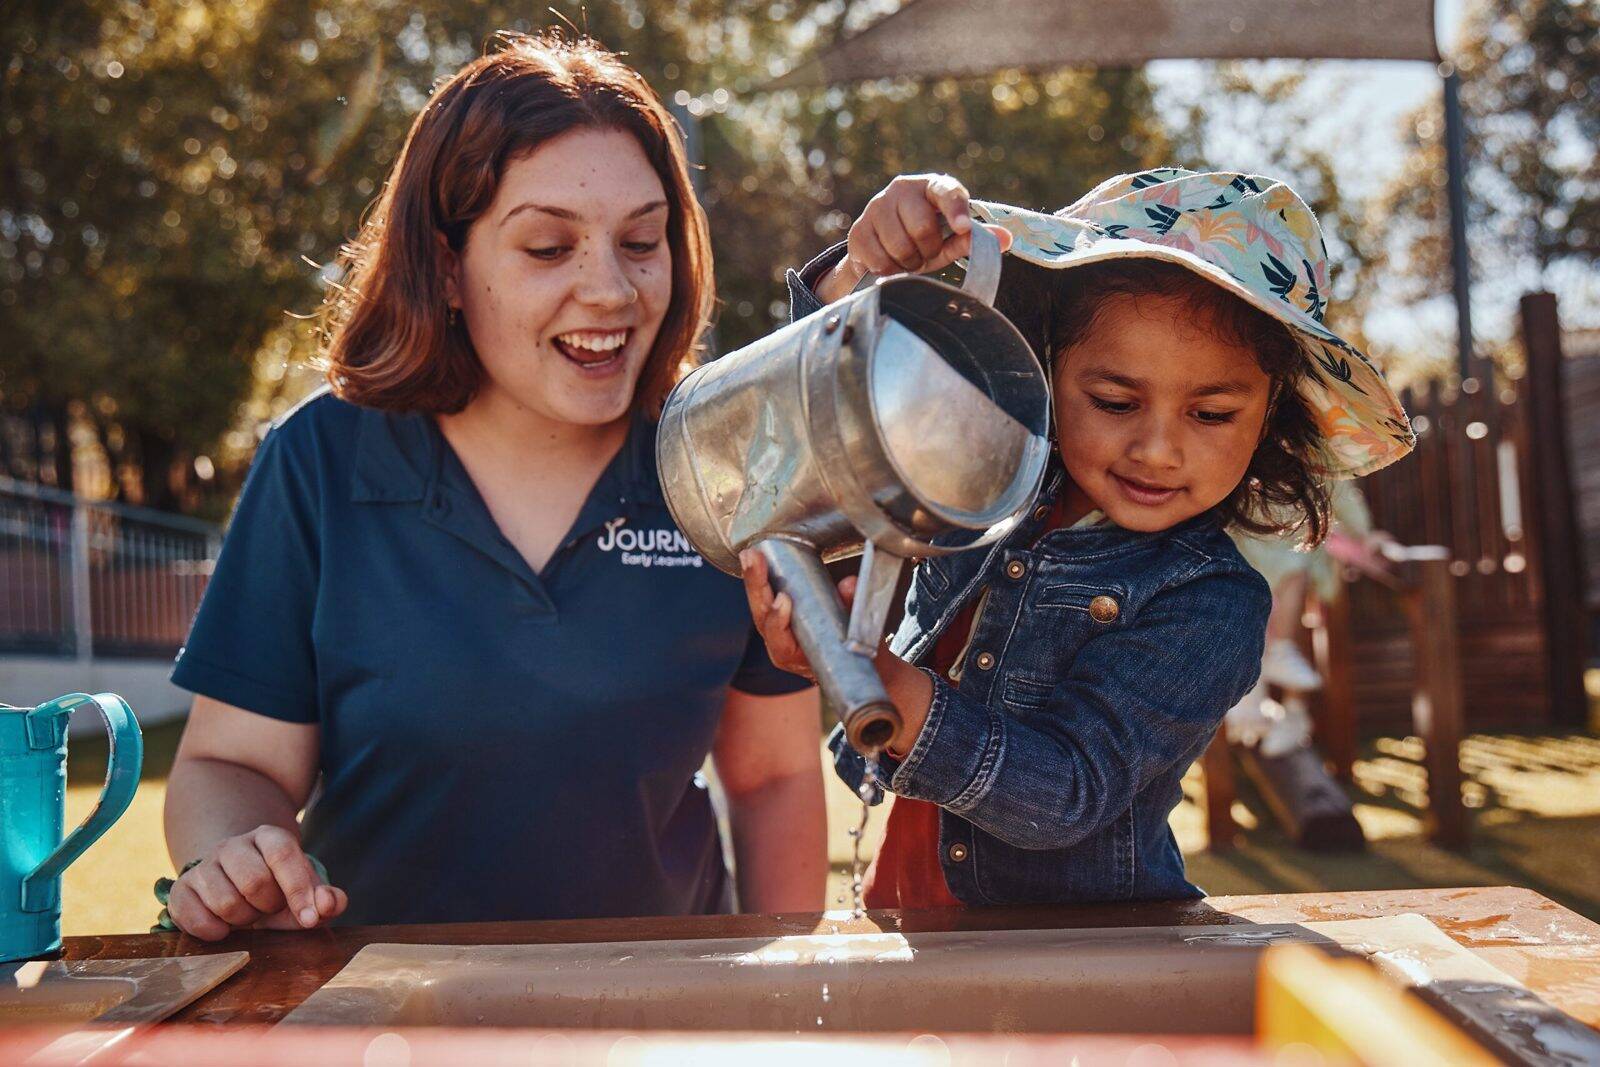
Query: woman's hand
column 261, row 878
column 774, row 614
column 900, row 232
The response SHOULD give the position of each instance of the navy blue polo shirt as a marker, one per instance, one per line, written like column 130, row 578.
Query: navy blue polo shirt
column 495, row 743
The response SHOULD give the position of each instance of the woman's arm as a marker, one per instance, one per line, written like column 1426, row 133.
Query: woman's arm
column 233, row 800
column 768, row 760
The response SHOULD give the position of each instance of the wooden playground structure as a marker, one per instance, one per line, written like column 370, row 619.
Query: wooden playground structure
column 1486, row 626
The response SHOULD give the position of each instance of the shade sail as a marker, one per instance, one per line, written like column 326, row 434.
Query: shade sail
column 966, row 38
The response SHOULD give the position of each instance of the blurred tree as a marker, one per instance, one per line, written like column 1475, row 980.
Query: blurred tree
column 1255, row 117
column 810, row 163
column 1530, row 98
column 171, row 175
column 165, row 166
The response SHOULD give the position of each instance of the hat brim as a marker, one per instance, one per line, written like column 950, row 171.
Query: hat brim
column 1364, row 425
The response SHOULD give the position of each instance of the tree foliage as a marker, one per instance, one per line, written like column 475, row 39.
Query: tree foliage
column 1530, row 100
column 1254, row 117
column 166, row 166
column 172, row 174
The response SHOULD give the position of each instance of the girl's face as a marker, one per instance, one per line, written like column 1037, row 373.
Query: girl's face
column 564, row 280
column 1156, row 417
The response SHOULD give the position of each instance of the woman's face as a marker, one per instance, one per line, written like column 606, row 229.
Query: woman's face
column 1157, row 417
column 564, row 280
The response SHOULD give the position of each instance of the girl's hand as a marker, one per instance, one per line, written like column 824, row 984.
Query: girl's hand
column 261, row 878
column 1368, row 554
column 774, row 614
column 900, row 232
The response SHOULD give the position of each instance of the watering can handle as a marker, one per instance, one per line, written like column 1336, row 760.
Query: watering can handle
column 41, row 888
column 983, row 266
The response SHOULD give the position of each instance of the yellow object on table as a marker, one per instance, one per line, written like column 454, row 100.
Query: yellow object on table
column 1347, row 1011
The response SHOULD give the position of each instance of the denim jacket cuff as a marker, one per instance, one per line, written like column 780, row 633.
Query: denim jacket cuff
column 955, row 758
column 802, row 283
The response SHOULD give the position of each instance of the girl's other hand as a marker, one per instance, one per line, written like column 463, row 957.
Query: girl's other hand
column 1368, row 554
column 261, row 878
column 773, row 614
column 900, row 231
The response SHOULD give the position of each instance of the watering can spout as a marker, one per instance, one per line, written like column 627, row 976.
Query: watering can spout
column 849, row 680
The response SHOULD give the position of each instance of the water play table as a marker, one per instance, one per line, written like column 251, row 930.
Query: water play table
column 1551, row 949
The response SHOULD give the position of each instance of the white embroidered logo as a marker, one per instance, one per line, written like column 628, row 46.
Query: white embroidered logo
column 648, row 548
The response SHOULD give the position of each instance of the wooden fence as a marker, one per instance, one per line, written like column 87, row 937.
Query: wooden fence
column 1582, row 394
column 89, row 578
column 1491, row 481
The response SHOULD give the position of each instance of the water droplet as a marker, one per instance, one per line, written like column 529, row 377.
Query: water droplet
column 857, row 835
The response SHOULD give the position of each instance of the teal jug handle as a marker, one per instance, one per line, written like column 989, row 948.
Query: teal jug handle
column 41, row 890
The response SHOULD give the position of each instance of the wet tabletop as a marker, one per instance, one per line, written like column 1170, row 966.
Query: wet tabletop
column 1554, row 951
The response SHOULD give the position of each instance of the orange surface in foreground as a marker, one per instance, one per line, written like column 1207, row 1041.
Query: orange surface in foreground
column 287, row 1047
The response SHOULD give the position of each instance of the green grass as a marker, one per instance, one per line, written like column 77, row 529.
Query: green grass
column 109, row 889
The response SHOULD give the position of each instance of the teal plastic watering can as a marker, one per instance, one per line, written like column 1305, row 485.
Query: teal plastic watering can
column 33, row 798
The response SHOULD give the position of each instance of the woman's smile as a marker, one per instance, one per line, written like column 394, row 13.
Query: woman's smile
column 594, row 353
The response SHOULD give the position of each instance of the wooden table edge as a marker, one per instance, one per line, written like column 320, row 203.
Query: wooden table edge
column 285, row 968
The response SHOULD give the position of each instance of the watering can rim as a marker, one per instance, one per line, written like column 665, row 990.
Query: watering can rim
column 1017, row 495
column 61, row 705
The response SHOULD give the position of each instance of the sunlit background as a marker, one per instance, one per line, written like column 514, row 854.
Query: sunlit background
column 175, row 177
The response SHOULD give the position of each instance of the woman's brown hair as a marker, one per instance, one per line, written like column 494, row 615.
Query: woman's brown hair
column 1282, row 490
column 390, row 340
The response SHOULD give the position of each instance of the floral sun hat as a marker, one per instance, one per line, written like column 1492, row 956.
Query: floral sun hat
column 1257, row 239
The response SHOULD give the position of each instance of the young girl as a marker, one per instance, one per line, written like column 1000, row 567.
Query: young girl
column 1055, row 688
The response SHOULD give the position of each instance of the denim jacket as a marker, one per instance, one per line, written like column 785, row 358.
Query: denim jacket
column 1101, row 664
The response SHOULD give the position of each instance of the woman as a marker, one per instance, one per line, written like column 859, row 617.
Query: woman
column 451, row 588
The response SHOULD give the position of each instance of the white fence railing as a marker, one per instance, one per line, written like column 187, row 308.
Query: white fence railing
column 85, row 578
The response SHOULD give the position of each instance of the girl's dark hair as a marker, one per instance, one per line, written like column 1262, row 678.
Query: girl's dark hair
column 389, row 339
column 1282, row 491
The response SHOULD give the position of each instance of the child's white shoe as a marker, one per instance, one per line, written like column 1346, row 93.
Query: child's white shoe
column 1261, row 723
column 1289, row 727
column 1246, row 722
column 1284, row 666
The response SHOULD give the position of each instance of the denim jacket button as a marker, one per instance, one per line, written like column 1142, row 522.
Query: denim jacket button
column 1015, row 569
column 1104, row 608
column 1041, row 511
column 984, row 661
column 958, row 852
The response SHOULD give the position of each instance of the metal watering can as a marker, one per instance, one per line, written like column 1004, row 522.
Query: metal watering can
column 33, row 793
column 908, row 410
